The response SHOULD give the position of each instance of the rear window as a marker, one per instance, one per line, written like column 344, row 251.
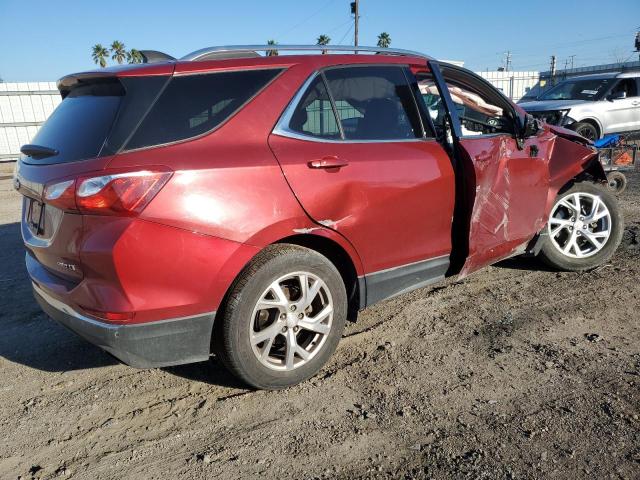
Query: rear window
column 192, row 105
column 79, row 126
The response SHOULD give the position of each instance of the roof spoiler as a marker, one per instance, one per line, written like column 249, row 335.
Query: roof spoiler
column 154, row 56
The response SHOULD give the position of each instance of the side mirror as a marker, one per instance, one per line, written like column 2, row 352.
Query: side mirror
column 619, row 95
column 530, row 126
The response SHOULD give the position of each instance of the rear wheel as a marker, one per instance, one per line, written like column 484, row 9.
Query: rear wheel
column 283, row 318
column 584, row 229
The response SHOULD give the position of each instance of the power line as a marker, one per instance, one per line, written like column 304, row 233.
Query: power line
column 346, row 33
column 308, row 18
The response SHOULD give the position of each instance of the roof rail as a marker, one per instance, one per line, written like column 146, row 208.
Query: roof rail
column 218, row 52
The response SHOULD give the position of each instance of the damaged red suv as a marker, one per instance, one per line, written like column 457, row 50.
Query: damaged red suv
column 247, row 205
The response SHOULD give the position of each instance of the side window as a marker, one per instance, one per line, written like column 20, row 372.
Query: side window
column 314, row 114
column 195, row 104
column 626, row 85
column 374, row 103
column 478, row 115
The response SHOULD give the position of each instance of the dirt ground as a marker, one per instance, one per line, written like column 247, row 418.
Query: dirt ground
column 515, row 372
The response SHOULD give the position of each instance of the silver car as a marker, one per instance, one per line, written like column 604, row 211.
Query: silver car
column 592, row 105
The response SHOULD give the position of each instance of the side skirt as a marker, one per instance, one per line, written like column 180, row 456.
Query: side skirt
column 405, row 278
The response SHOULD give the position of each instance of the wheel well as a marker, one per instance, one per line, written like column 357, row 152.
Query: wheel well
column 342, row 261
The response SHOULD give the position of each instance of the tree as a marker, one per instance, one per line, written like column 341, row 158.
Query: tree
column 272, row 53
column 323, row 40
column 100, row 55
column 118, row 52
column 134, row 56
column 384, row 40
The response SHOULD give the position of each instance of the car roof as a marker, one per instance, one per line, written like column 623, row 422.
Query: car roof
column 607, row 75
column 246, row 56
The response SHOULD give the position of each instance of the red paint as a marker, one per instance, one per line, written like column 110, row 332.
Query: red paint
column 393, row 201
column 239, row 188
column 507, row 190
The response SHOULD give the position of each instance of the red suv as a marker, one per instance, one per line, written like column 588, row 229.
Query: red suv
column 247, row 205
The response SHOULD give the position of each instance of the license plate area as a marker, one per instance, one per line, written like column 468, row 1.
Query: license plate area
column 35, row 217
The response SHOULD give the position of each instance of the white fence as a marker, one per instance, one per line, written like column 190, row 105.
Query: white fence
column 23, row 108
column 514, row 85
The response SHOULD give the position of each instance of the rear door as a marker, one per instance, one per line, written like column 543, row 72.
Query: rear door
column 353, row 149
column 504, row 184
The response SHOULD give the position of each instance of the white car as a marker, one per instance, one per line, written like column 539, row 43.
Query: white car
column 592, row 105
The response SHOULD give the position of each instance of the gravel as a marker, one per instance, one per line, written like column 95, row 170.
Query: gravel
column 514, row 372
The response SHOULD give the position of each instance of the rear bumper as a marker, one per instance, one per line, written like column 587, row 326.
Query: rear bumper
column 146, row 345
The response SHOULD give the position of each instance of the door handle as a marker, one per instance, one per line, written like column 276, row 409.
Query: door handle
column 635, row 103
column 330, row 161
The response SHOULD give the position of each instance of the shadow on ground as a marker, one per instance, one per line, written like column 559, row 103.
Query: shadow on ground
column 30, row 338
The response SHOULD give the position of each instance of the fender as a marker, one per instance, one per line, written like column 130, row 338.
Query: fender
column 571, row 156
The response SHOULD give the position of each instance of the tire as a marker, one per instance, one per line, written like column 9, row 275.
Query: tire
column 617, row 182
column 266, row 301
column 565, row 227
column 587, row 130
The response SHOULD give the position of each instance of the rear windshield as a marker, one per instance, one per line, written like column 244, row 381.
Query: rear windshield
column 79, row 126
column 96, row 119
column 192, row 105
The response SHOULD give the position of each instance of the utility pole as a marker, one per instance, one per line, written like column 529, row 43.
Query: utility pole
column 507, row 60
column 355, row 11
column 572, row 57
column 553, row 66
column 638, row 44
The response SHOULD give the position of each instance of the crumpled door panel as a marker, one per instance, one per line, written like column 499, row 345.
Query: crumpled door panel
column 510, row 192
column 506, row 195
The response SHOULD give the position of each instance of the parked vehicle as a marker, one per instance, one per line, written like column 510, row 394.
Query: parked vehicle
column 591, row 105
column 249, row 206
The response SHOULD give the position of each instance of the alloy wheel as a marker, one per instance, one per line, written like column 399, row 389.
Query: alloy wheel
column 291, row 321
column 580, row 225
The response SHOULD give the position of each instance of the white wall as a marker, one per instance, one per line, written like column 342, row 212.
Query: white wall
column 513, row 84
column 23, row 108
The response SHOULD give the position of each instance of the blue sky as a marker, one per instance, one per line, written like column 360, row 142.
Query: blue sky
column 43, row 40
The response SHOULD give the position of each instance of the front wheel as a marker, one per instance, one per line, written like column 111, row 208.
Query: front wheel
column 584, row 229
column 283, row 318
column 587, row 130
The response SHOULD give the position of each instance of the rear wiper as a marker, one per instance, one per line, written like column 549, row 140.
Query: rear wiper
column 38, row 151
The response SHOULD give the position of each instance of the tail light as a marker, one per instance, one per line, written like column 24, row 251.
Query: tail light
column 126, row 193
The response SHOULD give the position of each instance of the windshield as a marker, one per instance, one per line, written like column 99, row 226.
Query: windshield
column 592, row 89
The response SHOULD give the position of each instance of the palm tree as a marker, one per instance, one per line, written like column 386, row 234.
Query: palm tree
column 272, row 53
column 118, row 52
column 323, row 40
column 100, row 55
column 384, row 40
column 134, row 56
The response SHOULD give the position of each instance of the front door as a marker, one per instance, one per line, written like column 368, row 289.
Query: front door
column 623, row 114
column 504, row 185
column 353, row 150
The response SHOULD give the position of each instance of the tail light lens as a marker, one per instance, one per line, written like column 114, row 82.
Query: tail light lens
column 126, row 193
column 61, row 195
